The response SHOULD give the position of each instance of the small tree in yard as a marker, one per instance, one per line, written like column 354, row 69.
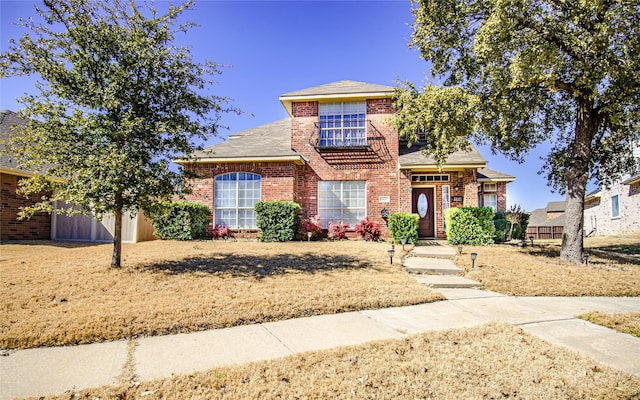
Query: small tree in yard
column 117, row 101
column 518, row 73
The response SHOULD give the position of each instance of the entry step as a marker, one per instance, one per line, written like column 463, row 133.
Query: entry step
column 431, row 266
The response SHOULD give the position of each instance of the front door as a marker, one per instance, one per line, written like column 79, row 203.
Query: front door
column 424, row 207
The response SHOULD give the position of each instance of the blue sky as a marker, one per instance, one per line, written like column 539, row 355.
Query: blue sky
column 274, row 47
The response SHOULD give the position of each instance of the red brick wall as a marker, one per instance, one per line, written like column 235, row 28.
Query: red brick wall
column 465, row 181
column 277, row 180
column 501, row 196
column 36, row 228
column 377, row 166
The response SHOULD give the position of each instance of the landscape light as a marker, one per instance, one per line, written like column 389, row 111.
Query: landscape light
column 391, row 252
column 403, row 241
column 473, row 260
column 309, row 234
column 531, row 238
column 460, row 249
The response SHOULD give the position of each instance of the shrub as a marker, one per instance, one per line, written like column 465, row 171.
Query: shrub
column 180, row 220
column 519, row 217
column 368, row 229
column 470, row 225
column 310, row 225
column 404, row 226
column 503, row 230
column 338, row 231
column 277, row 220
column 221, row 232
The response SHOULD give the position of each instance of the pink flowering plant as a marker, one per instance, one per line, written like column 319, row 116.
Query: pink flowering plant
column 338, row 231
column 311, row 225
column 221, row 231
column 368, row 230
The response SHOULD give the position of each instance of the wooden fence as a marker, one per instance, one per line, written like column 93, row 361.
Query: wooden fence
column 545, row 232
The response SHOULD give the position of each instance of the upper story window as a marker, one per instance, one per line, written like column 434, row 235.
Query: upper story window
column 343, row 124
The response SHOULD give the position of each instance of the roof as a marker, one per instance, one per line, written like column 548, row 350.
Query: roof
column 413, row 158
column 8, row 119
column 539, row 216
column 486, row 174
column 269, row 142
column 348, row 90
column 556, row 206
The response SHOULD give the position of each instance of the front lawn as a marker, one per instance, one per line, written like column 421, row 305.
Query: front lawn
column 613, row 268
column 64, row 293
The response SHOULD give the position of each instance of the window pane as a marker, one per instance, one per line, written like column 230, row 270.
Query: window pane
column 342, row 124
column 235, row 194
column 341, row 201
column 615, row 206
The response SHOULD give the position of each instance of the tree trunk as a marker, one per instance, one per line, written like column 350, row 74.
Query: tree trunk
column 117, row 240
column 576, row 175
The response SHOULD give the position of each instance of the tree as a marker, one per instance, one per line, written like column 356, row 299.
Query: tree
column 117, row 100
column 517, row 73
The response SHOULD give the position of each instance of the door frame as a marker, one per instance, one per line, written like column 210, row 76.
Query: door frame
column 435, row 205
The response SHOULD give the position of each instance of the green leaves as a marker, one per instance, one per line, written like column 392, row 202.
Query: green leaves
column 118, row 99
column 515, row 73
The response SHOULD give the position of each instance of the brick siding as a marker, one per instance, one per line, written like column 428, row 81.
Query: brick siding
column 376, row 165
column 36, row 228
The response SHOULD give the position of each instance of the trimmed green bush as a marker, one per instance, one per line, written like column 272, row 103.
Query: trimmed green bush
column 470, row 225
column 503, row 228
column 404, row 226
column 277, row 220
column 181, row 220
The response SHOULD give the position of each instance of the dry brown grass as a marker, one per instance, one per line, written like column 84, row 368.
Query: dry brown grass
column 63, row 293
column 491, row 361
column 613, row 270
column 621, row 322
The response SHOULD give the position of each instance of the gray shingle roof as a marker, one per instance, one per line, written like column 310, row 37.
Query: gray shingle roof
column 412, row 157
column 345, row 87
column 491, row 175
column 7, row 120
column 269, row 142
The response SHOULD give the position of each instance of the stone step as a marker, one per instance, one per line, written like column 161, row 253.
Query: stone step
column 431, row 266
column 446, row 281
column 436, row 251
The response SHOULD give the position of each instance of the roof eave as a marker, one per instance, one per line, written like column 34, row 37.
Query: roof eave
column 510, row 179
column 288, row 100
column 630, row 181
column 17, row 172
column 299, row 160
column 446, row 167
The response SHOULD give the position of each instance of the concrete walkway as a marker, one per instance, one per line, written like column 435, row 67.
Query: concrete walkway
column 43, row 371
column 433, row 266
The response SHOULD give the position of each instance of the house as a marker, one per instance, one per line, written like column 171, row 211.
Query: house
column 55, row 226
column 337, row 156
column 548, row 222
column 37, row 227
column 616, row 209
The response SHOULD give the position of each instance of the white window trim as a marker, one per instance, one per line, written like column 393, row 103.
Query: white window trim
column 446, row 203
column 342, row 129
column 617, row 196
column 236, row 207
column 326, row 225
column 490, row 187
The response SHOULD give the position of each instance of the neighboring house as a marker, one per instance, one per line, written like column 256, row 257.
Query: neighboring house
column 44, row 226
column 337, row 156
column 614, row 210
column 548, row 222
column 11, row 228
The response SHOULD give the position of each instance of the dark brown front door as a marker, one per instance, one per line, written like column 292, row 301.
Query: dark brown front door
column 424, row 207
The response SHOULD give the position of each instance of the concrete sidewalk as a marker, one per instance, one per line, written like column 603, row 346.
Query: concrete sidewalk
column 43, row 371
